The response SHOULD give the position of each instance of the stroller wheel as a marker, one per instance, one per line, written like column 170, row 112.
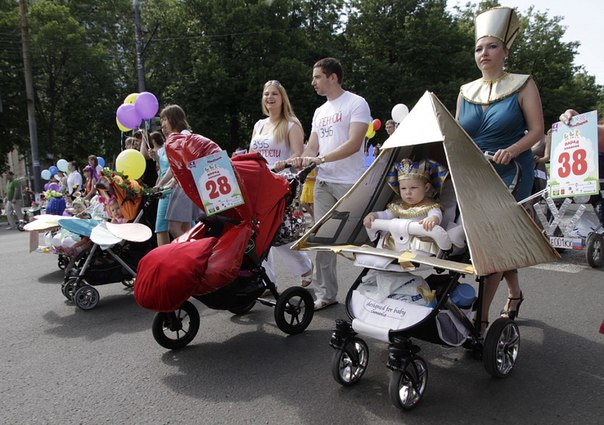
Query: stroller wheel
column 21, row 226
column 501, row 347
column 86, row 297
column 176, row 329
column 294, row 310
column 349, row 363
column 69, row 287
column 594, row 254
column 62, row 261
column 407, row 386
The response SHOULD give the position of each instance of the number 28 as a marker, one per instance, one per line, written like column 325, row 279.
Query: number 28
column 219, row 187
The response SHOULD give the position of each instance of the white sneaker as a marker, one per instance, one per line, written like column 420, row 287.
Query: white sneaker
column 320, row 304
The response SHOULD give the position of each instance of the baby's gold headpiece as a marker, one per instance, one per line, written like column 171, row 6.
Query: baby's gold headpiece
column 425, row 169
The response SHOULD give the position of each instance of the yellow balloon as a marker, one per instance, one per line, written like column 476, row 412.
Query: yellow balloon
column 131, row 98
column 131, row 162
column 121, row 126
column 370, row 134
column 370, row 130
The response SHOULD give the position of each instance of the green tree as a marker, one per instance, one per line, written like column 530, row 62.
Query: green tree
column 75, row 83
column 233, row 47
column 13, row 122
column 399, row 49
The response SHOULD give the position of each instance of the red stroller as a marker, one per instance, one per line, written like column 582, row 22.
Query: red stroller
column 219, row 261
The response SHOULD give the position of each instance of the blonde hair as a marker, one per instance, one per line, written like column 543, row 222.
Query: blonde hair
column 287, row 113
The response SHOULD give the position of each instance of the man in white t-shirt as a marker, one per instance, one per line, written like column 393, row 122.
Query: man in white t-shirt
column 337, row 134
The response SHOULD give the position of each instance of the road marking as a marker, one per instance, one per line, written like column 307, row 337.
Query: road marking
column 561, row 267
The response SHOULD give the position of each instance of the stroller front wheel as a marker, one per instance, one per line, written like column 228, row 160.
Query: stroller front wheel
column 176, row 329
column 349, row 363
column 86, row 297
column 62, row 262
column 294, row 310
column 501, row 347
column 69, row 287
column 407, row 386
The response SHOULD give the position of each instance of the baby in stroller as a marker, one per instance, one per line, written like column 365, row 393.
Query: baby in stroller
column 412, row 222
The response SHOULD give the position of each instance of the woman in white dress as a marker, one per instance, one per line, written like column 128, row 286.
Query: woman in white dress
column 277, row 138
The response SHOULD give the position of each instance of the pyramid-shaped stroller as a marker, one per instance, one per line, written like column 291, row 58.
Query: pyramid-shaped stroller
column 499, row 235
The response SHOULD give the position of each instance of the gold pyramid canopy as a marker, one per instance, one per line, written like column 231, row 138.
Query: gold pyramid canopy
column 499, row 232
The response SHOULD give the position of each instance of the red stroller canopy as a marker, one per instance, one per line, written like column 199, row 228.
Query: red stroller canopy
column 196, row 264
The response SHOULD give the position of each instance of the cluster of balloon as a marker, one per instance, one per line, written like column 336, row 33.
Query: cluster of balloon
column 132, row 163
column 399, row 112
column 136, row 107
column 61, row 165
column 374, row 126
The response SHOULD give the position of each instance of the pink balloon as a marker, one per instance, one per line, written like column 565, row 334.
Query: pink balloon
column 127, row 116
column 146, row 105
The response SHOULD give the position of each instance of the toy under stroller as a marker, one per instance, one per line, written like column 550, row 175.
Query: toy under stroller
column 499, row 235
column 219, row 261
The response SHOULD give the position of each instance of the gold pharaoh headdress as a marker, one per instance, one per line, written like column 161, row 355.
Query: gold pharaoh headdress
column 499, row 22
column 427, row 169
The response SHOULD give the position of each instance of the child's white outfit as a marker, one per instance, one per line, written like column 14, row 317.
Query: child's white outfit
column 401, row 230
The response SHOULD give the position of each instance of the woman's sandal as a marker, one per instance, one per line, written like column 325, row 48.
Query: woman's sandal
column 512, row 314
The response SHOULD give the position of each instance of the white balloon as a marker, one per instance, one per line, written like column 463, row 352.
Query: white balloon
column 399, row 112
column 62, row 165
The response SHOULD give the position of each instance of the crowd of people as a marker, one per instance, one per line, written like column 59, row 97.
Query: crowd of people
column 500, row 111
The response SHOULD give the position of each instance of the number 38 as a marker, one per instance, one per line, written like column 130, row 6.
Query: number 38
column 219, row 187
column 577, row 164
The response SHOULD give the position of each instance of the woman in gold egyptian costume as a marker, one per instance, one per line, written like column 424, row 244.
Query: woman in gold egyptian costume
column 502, row 113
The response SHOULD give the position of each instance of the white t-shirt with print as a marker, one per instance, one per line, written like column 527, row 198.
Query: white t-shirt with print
column 331, row 122
column 267, row 146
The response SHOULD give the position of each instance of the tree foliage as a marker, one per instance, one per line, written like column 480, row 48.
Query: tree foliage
column 213, row 57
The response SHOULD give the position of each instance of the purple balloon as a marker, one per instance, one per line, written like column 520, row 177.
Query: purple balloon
column 127, row 116
column 46, row 186
column 53, row 186
column 146, row 105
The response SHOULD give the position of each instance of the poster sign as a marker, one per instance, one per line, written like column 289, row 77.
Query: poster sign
column 216, row 182
column 574, row 158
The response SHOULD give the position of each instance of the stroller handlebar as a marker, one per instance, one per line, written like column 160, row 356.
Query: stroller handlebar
column 303, row 173
column 512, row 187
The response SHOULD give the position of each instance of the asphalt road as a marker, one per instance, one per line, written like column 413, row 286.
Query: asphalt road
column 61, row 365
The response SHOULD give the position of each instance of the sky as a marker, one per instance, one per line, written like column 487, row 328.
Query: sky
column 584, row 22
